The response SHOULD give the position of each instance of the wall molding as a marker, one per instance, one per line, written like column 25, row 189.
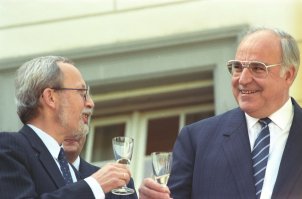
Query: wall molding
column 131, row 46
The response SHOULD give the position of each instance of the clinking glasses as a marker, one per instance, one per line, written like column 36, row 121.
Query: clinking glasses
column 258, row 69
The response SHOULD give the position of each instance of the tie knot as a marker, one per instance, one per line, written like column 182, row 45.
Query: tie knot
column 264, row 121
column 61, row 154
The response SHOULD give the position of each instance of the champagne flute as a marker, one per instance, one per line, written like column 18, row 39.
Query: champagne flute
column 123, row 148
column 161, row 164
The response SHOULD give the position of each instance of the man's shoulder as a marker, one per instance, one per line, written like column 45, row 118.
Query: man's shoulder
column 87, row 168
column 296, row 105
column 220, row 118
column 20, row 142
column 84, row 162
column 212, row 126
column 10, row 138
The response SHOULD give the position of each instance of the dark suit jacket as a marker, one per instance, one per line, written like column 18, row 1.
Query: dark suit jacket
column 212, row 160
column 27, row 170
column 87, row 169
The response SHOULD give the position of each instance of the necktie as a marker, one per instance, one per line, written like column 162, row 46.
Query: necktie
column 260, row 155
column 64, row 167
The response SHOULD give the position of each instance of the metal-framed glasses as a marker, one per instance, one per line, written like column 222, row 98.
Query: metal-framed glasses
column 84, row 92
column 257, row 69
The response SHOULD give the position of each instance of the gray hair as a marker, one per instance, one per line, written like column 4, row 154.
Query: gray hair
column 31, row 80
column 289, row 47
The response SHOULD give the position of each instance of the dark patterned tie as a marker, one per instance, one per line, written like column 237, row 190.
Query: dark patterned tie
column 64, row 167
column 260, row 155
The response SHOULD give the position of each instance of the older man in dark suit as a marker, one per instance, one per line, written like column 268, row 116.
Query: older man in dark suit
column 53, row 102
column 253, row 151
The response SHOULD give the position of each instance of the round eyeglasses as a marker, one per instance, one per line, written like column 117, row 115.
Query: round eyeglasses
column 258, row 69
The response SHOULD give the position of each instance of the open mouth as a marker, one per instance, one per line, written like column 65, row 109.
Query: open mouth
column 86, row 113
column 86, row 117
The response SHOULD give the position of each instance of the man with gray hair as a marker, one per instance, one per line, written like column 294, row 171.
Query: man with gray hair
column 53, row 103
column 250, row 152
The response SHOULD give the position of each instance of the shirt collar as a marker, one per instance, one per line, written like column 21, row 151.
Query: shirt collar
column 281, row 117
column 76, row 163
column 50, row 143
column 284, row 115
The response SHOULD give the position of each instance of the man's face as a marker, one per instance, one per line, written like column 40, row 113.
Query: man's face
column 260, row 97
column 65, row 118
column 74, row 111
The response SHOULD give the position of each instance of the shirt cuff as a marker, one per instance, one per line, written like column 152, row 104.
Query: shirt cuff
column 95, row 187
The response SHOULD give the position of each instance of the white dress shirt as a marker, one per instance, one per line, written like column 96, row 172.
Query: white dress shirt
column 279, row 130
column 76, row 163
column 54, row 149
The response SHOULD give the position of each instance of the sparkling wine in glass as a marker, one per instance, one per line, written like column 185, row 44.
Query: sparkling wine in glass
column 161, row 164
column 122, row 149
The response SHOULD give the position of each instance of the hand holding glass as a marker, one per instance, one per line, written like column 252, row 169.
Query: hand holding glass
column 161, row 164
column 123, row 148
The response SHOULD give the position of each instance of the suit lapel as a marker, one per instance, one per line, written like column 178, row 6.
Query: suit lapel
column 291, row 163
column 86, row 169
column 76, row 172
column 237, row 150
column 43, row 155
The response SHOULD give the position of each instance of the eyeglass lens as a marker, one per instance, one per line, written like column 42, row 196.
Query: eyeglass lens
column 87, row 94
column 258, row 69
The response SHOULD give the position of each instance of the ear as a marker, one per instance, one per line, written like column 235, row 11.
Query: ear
column 290, row 75
column 48, row 97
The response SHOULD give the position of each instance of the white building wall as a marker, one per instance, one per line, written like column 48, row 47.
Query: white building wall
column 29, row 27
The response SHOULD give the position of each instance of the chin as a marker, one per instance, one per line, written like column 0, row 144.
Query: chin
column 83, row 129
column 246, row 107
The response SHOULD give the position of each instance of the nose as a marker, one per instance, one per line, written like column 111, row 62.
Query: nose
column 89, row 102
column 246, row 76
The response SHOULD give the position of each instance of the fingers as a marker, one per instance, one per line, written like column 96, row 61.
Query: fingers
column 153, row 190
column 126, row 177
column 112, row 176
column 122, row 171
column 153, row 185
column 122, row 168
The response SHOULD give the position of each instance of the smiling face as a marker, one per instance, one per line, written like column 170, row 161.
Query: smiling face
column 260, row 97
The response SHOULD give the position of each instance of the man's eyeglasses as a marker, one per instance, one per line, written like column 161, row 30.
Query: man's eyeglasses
column 258, row 69
column 84, row 92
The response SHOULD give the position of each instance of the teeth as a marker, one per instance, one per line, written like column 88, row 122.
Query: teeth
column 247, row 92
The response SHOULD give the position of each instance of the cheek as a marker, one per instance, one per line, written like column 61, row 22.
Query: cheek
column 234, row 84
column 234, row 81
column 76, row 111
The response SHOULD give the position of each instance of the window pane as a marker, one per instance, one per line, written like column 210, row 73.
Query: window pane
column 102, row 144
column 162, row 133
column 194, row 117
